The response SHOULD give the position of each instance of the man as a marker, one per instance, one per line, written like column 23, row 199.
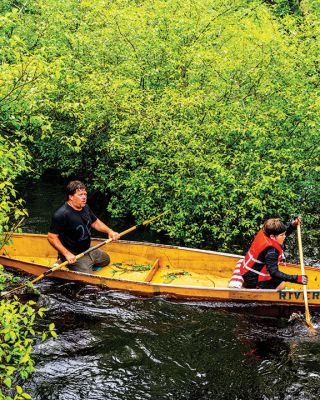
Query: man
column 70, row 231
column 260, row 267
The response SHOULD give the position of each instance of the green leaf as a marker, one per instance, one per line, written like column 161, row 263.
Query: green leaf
column 7, row 381
column 19, row 389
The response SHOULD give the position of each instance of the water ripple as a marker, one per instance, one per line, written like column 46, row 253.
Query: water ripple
column 114, row 345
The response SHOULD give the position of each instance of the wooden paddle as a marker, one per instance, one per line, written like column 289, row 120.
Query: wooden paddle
column 59, row 266
column 305, row 295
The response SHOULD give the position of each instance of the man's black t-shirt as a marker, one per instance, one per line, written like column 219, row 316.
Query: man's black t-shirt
column 73, row 227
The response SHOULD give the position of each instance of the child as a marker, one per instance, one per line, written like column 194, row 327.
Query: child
column 260, row 267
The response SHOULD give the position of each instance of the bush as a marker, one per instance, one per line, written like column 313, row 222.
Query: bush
column 17, row 335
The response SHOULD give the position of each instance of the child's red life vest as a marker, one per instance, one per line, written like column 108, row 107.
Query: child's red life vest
column 260, row 243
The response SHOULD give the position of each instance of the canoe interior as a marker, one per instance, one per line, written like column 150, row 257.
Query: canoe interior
column 146, row 262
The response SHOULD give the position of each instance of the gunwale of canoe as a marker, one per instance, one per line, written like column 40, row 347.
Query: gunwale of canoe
column 156, row 269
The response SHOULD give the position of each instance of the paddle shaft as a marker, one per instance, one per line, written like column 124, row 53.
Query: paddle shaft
column 305, row 294
column 54, row 268
column 58, row 266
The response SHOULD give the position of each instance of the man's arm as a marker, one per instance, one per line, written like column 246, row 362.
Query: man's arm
column 99, row 226
column 56, row 243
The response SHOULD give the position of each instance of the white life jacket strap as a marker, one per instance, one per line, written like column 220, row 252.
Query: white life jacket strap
column 251, row 258
column 255, row 271
column 254, row 259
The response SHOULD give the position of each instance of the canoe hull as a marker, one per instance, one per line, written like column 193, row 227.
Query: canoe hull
column 187, row 285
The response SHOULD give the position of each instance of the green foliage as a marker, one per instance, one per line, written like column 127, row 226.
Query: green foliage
column 17, row 335
column 283, row 7
column 171, row 276
column 19, row 95
column 24, row 74
column 13, row 161
column 207, row 108
column 120, row 268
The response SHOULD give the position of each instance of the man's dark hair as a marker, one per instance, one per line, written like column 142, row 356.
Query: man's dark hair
column 274, row 226
column 73, row 186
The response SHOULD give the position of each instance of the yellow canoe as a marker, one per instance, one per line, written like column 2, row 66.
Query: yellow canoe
column 155, row 269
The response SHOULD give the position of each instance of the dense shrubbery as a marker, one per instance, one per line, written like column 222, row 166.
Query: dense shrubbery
column 17, row 335
column 209, row 109
column 20, row 72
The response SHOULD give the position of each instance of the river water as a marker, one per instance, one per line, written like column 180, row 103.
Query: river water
column 114, row 345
